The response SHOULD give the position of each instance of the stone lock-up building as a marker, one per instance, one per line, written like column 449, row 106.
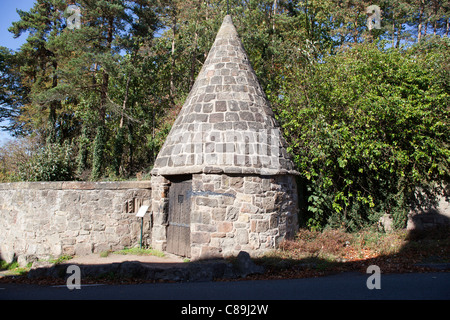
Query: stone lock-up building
column 223, row 181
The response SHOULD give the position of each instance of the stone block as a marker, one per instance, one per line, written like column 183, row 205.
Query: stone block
column 231, row 116
column 200, row 237
column 253, row 240
column 216, row 80
column 252, row 188
column 225, row 226
column 232, row 213
column 221, row 106
column 159, row 233
column 195, row 252
column 262, row 226
column 218, row 235
column 248, row 208
column 242, row 236
column 208, row 202
column 82, row 249
column 74, row 225
column 240, row 225
column 210, row 252
column 253, row 225
column 227, row 200
column 236, row 182
column 218, row 214
column 68, row 250
column 244, row 218
column 101, row 247
column 125, row 241
column 273, row 221
column 216, row 117
column 207, row 107
column 204, row 227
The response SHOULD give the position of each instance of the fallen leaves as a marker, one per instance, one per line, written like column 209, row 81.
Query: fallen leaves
column 353, row 254
column 315, row 254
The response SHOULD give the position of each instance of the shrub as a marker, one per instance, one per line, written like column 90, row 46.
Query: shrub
column 368, row 129
column 14, row 154
column 52, row 163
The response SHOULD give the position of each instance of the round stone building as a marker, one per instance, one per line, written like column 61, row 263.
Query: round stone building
column 223, row 182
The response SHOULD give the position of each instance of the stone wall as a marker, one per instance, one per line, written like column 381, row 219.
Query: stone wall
column 241, row 213
column 231, row 213
column 432, row 217
column 44, row 220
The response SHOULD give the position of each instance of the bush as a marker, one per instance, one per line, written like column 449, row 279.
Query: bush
column 368, row 129
column 52, row 163
column 14, row 154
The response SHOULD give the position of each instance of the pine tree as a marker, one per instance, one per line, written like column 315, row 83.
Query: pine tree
column 38, row 63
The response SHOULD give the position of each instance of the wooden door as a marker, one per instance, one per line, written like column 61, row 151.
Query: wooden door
column 178, row 229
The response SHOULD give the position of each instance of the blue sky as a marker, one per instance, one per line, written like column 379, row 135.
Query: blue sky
column 8, row 15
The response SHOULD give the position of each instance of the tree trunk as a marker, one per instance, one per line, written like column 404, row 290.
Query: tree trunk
column 172, row 68
column 100, row 139
column 194, row 51
column 51, row 122
column 193, row 60
column 435, row 15
column 398, row 36
column 306, row 17
column 82, row 151
column 105, row 76
column 447, row 28
column 355, row 33
column 275, row 9
column 125, row 100
column 419, row 27
column 393, row 33
column 118, row 143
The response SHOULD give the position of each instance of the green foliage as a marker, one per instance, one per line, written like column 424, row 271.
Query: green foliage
column 61, row 259
column 52, row 163
column 370, row 132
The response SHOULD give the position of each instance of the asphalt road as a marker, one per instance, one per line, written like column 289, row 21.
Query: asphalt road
column 345, row 286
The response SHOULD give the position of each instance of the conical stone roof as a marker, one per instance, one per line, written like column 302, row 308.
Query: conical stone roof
column 226, row 124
